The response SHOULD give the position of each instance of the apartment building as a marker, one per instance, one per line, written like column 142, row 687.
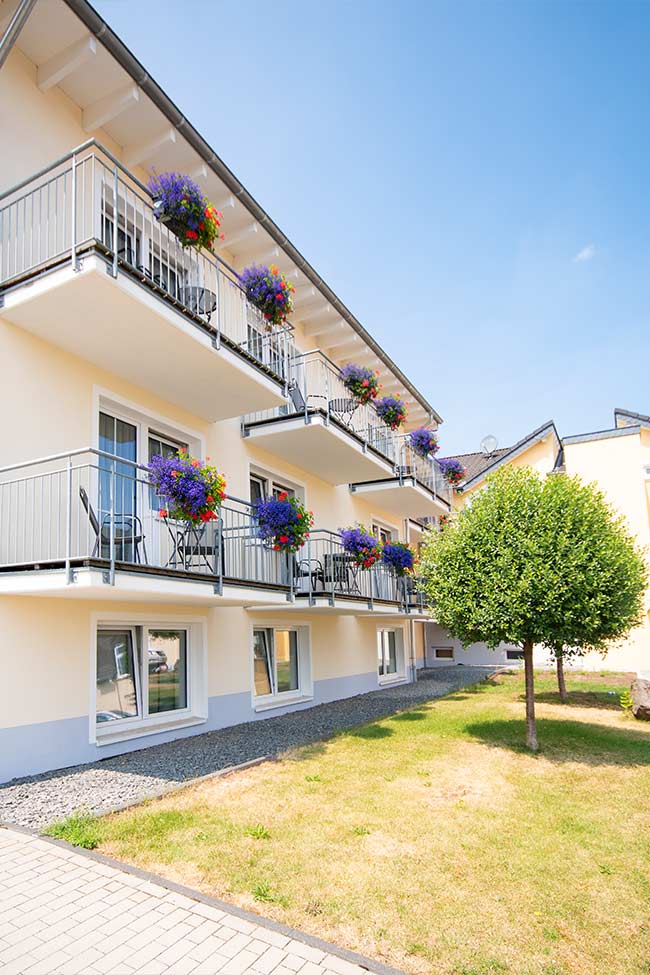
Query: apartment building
column 617, row 460
column 121, row 629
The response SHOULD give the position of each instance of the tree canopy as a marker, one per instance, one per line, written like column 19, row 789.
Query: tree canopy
column 535, row 560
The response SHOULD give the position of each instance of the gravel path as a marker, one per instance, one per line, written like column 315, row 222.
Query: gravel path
column 126, row 779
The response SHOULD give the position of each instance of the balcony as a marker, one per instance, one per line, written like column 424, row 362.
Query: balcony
column 86, row 266
column 327, row 578
column 417, row 488
column 88, row 524
column 322, row 428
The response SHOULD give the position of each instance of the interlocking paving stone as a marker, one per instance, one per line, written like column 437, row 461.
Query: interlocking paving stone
column 160, row 932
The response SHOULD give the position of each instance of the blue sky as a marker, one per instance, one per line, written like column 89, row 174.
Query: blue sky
column 471, row 178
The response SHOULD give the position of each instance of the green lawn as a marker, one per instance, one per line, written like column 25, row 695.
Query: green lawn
column 432, row 840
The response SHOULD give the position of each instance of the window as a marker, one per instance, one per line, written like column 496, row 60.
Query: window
column 383, row 533
column 276, row 662
column 386, row 653
column 444, row 653
column 161, row 446
column 514, row 654
column 263, row 487
column 142, row 672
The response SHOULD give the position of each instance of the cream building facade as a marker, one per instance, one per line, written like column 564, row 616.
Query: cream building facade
column 617, row 460
column 119, row 629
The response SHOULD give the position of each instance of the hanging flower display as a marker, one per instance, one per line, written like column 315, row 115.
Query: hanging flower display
column 283, row 522
column 361, row 382
column 179, row 203
column 269, row 290
column 392, row 411
column 443, row 521
column 452, row 470
column 399, row 557
column 423, row 441
column 363, row 547
column 191, row 491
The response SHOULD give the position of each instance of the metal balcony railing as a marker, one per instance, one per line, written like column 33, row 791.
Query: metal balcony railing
column 89, row 506
column 88, row 200
column 322, row 567
column 425, row 470
column 315, row 386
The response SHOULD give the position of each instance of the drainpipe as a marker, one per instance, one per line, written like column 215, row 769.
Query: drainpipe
column 16, row 24
column 414, row 667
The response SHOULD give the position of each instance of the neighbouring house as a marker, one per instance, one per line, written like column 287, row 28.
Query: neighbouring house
column 124, row 622
column 618, row 461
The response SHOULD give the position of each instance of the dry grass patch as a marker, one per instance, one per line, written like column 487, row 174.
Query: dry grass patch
column 432, row 840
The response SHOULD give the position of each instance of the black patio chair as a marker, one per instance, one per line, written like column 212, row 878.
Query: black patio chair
column 127, row 530
column 311, row 569
column 198, row 545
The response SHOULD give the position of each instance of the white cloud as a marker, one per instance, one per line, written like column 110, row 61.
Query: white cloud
column 586, row 254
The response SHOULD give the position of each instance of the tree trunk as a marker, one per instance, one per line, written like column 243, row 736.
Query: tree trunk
column 531, row 728
column 561, row 683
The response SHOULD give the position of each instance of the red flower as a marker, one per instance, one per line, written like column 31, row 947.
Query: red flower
column 282, row 496
column 192, row 235
column 284, row 539
column 196, row 463
column 209, row 499
column 163, row 512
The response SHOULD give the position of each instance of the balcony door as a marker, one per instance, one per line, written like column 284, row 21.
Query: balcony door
column 117, row 477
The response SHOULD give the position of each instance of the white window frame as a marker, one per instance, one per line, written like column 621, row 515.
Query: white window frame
column 400, row 655
column 196, row 710
column 273, row 478
column 305, row 690
column 379, row 524
column 445, row 656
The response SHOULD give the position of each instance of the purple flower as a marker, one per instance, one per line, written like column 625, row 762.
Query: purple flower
column 190, row 490
column 423, row 441
column 392, row 411
column 452, row 470
column 268, row 289
column 399, row 557
column 282, row 522
column 361, row 545
column 363, row 383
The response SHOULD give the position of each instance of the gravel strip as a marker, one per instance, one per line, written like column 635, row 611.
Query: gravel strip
column 101, row 787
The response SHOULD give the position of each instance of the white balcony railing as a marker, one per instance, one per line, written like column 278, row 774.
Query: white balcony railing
column 88, row 200
column 426, row 470
column 88, row 507
column 316, row 386
column 92, row 507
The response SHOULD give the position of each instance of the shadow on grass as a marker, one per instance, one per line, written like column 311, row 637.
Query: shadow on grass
column 371, row 731
column 417, row 714
column 580, row 699
column 568, row 741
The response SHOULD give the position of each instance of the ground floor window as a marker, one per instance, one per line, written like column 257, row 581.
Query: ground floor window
column 514, row 654
column 444, row 653
column 142, row 674
column 390, row 654
column 280, row 662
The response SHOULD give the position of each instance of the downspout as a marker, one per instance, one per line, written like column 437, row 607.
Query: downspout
column 414, row 665
column 16, row 24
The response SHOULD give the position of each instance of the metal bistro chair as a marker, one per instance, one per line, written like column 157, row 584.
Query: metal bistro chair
column 197, row 546
column 340, row 572
column 127, row 530
column 310, row 570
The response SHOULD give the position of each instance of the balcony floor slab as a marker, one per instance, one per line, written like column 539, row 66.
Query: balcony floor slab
column 327, row 450
column 408, row 499
column 125, row 328
column 135, row 586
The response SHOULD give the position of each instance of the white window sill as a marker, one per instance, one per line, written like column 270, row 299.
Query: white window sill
column 392, row 679
column 145, row 729
column 284, row 702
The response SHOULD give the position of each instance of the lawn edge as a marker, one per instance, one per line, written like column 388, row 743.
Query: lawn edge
column 346, row 954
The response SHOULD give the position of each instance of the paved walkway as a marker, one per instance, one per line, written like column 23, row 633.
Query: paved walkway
column 64, row 912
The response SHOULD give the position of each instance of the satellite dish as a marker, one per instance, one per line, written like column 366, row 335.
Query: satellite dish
column 489, row 444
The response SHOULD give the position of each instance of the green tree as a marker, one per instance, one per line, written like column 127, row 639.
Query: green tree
column 535, row 560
